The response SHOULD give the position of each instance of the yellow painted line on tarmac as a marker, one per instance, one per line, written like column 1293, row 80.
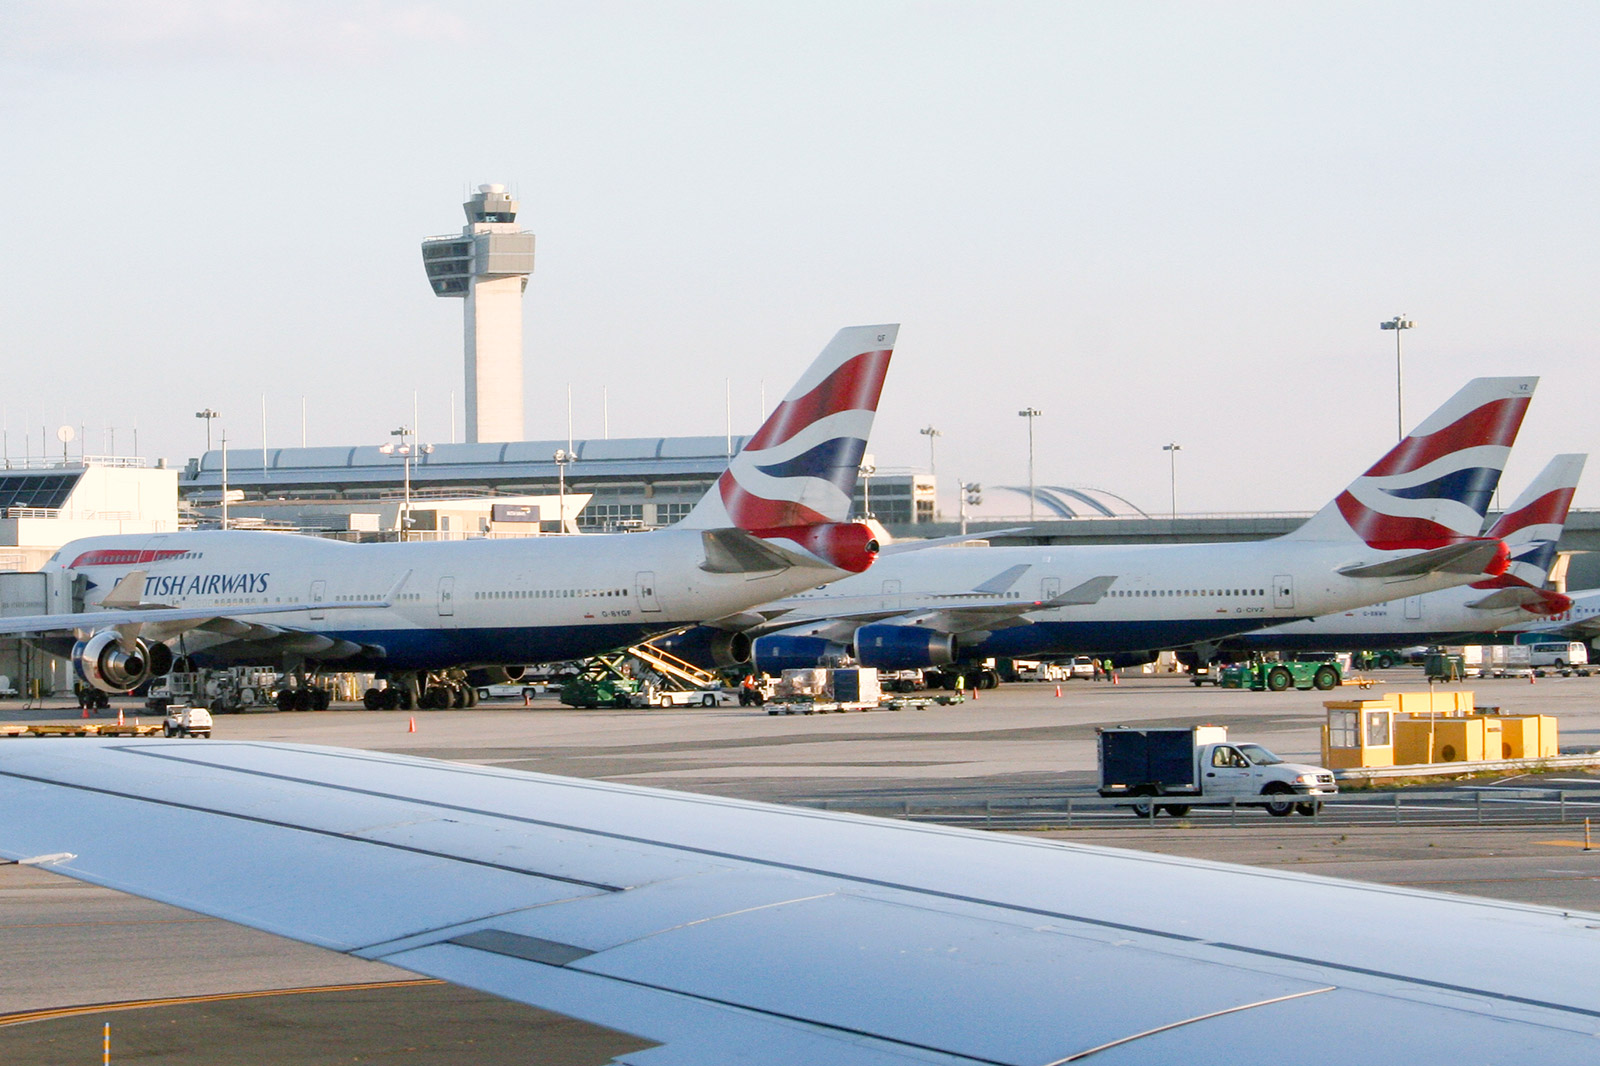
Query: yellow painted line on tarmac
column 178, row 1001
column 1560, row 843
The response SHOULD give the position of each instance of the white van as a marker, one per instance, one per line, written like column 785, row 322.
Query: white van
column 1558, row 653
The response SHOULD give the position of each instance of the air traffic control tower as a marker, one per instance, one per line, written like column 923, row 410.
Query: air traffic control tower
column 488, row 266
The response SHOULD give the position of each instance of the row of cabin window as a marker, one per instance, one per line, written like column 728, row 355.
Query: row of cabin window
column 1193, row 592
column 546, row 594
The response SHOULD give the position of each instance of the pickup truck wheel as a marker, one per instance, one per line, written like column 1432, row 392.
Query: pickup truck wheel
column 1143, row 805
column 1279, row 803
column 1307, row 809
column 1325, row 678
column 1278, row 679
column 1176, row 810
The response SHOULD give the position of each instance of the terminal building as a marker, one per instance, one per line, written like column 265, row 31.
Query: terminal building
column 625, row 483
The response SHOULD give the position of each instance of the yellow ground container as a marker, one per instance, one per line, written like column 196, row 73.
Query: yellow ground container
column 1430, row 740
column 1453, row 703
column 1529, row 736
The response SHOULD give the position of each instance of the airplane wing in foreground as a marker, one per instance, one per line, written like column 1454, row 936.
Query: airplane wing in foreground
column 736, row 932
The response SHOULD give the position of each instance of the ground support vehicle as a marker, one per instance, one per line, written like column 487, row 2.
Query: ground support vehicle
column 651, row 696
column 1280, row 676
column 902, row 680
column 509, row 692
column 184, row 720
column 589, row 691
column 1034, row 670
column 964, row 676
column 1199, row 766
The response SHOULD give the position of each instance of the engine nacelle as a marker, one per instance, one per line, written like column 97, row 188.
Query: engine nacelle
column 707, row 647
column 103, row 662
column 777, row 653
column 904, row 647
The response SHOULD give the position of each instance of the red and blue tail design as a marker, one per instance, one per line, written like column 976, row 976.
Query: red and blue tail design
column 1531, row 527
column 1433, row 488
column 800, row 468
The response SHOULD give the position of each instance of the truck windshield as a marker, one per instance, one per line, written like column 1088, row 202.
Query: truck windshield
column 1259, row 755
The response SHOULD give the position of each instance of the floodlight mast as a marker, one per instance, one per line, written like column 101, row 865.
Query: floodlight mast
column 1398, row 323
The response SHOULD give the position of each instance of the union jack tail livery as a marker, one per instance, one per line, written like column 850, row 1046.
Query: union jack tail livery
column 1432, row 489
column 1531, row 528
column 793, row 481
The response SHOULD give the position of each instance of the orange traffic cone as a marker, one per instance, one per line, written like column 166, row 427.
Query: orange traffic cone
column 526, row 702
column 974, row 691
column 411, row 727
column 1058, row 692
column 85, row 713
column 1531, row 679
column 119, row 716
column 1114, row 679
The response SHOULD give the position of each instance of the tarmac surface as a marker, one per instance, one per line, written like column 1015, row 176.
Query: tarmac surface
column 181, row 989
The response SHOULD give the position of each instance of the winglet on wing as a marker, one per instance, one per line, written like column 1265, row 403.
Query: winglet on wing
column 128, row 593
column 1091, row 591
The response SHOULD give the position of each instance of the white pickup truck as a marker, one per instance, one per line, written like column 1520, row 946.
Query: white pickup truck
column 1200, row 766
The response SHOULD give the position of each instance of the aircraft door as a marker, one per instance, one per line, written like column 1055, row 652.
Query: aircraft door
column 1414, row 607
column 1283, row 592
column 644, row 590
column 1049, row 588
column 447, row 597
column 319, row 593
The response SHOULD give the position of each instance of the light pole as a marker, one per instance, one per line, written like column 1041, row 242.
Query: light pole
column 930, row 433
column 868, row 467
column 405, row 450
column 1172, row 450
column 971, row 493
column 1398, row 323
column 562, row 458
column 1030, row 413
column 208, row 414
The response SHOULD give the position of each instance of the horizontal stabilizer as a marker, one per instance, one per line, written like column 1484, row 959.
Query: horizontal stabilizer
column 1503, row 599
column 1468, row 557
column 733, row 551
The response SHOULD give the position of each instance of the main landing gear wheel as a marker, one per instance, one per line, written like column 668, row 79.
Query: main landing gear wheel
column 1279, row 801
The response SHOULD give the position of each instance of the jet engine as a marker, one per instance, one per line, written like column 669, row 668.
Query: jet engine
column 707, row 647
column 778, row 653
column 890, row 647
column 103, row 662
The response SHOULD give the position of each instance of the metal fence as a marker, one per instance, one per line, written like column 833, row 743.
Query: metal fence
column 1444, row 807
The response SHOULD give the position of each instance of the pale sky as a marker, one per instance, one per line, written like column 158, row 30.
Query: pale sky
column 1154, row 222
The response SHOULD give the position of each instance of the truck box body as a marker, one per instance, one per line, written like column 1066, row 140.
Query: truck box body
column 1130, row 758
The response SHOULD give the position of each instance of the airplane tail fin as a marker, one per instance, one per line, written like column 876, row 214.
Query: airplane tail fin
column 797, row 474
column 1433, row 488
column 1531, row 526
